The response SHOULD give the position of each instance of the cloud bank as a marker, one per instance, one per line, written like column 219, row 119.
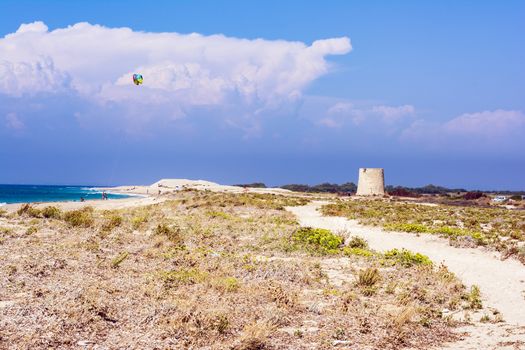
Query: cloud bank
column 181, row 71
column 495, row 131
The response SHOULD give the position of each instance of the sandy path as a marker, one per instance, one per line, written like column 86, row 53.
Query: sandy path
column 502, row 283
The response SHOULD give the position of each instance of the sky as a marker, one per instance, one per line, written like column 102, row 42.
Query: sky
column 263, row 91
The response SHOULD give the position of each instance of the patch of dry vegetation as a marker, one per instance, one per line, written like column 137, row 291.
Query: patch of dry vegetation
column 209, row 270
column 497, row 228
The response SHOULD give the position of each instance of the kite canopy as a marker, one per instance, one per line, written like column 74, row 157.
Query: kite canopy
column 137, row 79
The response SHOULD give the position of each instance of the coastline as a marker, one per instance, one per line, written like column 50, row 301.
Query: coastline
column 12, row 194
column 141, row 195
column 111, row 204
column 132, row 200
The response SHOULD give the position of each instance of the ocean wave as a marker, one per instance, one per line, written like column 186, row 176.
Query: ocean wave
column 91, row 189
column 126, row 194
column 3, row 204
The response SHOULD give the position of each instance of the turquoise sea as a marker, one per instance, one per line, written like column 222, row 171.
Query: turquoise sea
column 46, row 193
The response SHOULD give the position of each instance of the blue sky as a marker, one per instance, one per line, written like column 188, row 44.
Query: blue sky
column 288, row 92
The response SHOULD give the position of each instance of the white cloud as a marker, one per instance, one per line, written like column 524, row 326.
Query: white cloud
column 341, row 107
column 330, row 123
column 392, row 114
column 487, row 130
column 18, row 78
column 13, row 122
column 35, row 27
column 487, row 124
column 341, row 112
column 184, row 69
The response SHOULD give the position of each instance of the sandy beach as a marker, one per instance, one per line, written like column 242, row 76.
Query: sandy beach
column 142, row 195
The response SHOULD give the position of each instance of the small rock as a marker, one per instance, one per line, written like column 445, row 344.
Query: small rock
column 85, row 342
column 341, row 342
column 6, row 303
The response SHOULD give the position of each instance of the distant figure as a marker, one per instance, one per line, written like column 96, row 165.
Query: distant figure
column 82, row 199
column 104, row 195
column 159, row 192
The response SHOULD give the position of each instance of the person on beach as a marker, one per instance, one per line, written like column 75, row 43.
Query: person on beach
column 82, row 199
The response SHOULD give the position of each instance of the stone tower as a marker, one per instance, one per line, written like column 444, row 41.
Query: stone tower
column 371, row 182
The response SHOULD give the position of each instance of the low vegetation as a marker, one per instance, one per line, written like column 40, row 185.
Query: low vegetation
column 497, row 228
column 29, row 211
column 406, row 258
column 318, row 240
column 80, row 218
column 212, row 271
column 346, row 188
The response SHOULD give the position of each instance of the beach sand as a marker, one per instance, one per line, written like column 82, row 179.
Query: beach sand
column 147, row 195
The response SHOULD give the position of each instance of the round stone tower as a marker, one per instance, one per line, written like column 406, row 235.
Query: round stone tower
column 371, row 182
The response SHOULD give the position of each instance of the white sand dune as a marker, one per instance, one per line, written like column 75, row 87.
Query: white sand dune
column 502, row 282
column 172, row 185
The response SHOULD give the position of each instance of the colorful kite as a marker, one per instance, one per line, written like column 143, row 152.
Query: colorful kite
column 137, row 79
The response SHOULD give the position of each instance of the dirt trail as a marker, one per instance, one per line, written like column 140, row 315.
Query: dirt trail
column 502, row 282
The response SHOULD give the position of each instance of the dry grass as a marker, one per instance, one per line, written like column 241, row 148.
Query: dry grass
column 497, row 228
column 209, row 271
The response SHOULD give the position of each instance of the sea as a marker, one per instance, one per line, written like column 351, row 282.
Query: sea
column 47, row 193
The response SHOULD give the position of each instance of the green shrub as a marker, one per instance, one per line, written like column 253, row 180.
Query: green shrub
column 479, row 238
column 80, row 218
column 357, row 242
column 172, row 233
column 137, row 221
column 449, row 231
column 5, row 230
column 517, row 235
column 368, row 277
column 3, row 212
column 176, row 278
column 28, row 210
column 31, row 229
column 219, row 214
column 318, row 239
column 112, row 222
column 357, row 251
column 227, row 284
column 407, row 258
column 474, row 298
column 418, row 228
column 51, row 212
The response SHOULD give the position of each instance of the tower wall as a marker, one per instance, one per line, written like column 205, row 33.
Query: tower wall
column 371, row 182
